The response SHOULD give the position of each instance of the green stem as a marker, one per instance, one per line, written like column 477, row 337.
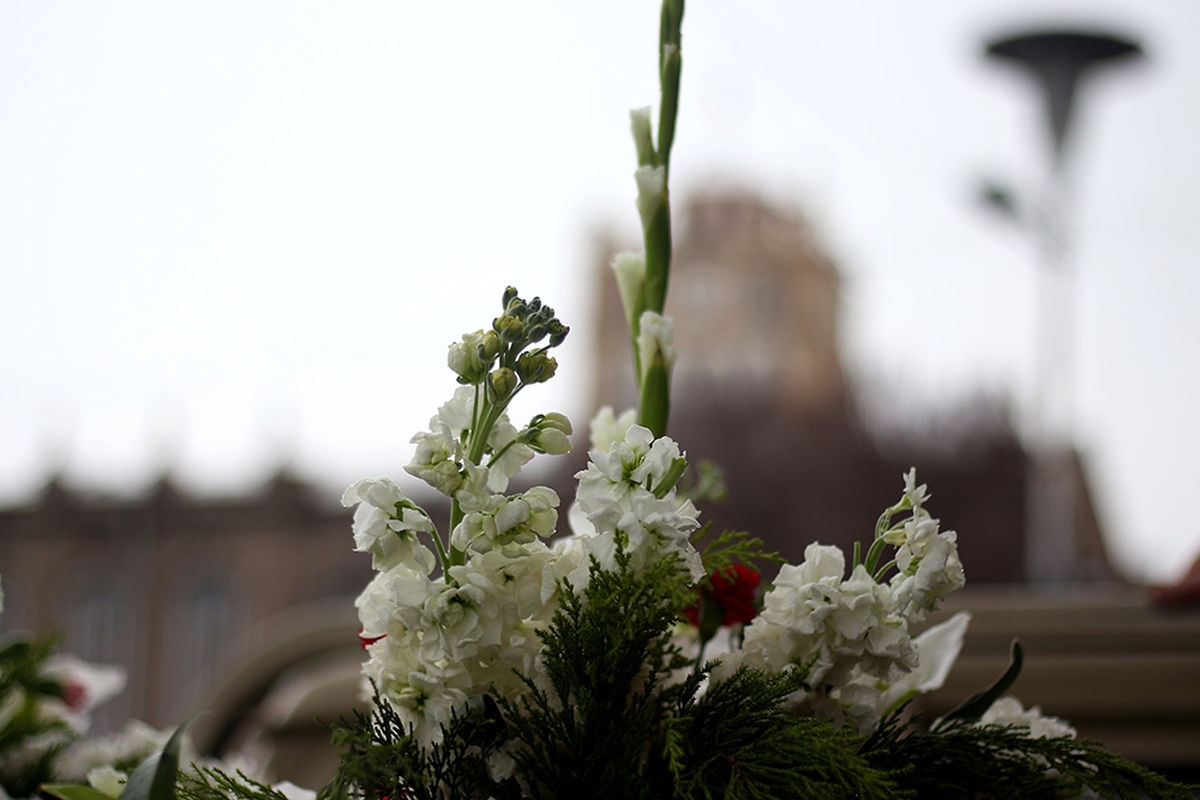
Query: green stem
column 873, row 555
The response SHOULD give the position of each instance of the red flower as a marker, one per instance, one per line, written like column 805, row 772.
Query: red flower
column 733, row 590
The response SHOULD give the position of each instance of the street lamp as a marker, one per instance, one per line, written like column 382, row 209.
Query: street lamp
column 1058, row 60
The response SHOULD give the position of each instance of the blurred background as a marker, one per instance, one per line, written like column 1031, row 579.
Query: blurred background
column 236, row 238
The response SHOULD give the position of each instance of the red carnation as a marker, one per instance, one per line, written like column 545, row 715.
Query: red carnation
column 733, row 589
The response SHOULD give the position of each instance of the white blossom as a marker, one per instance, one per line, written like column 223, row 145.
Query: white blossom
column 386, row 524
column 608, row 428
column 813, row 618
column 1008, row 711
column 617, row 495
column 502, row 440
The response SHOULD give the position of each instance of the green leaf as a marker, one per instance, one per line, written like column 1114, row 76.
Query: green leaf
column 974, row 706
column 154, row 779
column 69, row 791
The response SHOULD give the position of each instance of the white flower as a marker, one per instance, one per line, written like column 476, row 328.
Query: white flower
column 937, row 650
column 456, row 413
column 606, row 428
column 917, row 496
column 464, row 357
column 813, row 618
column 514, row 455
column 393, row 597
column 1008, row 711
column 386, row 524
column 508, row 523
column 616, row 495
column 131, row 744
column 923, row 580
column 473, row 493
column 85, row 686
column 436, row 460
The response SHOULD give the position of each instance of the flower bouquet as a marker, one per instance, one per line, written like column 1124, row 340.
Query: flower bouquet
column 634, row 656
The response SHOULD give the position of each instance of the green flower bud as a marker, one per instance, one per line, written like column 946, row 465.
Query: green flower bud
column 504, row 382
column 558, row 332
column 490, row 346
column 536, row 367
column 510, row 294
column 555, row 421
column 510, row 328
column 550, row 440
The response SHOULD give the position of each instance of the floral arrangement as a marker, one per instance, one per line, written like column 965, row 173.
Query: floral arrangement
column 635, row 656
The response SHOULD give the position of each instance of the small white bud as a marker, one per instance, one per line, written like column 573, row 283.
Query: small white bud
column 652, row 191
column 656, row 337
column 630, row 270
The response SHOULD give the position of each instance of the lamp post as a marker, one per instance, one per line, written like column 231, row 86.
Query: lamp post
column 1058, row 61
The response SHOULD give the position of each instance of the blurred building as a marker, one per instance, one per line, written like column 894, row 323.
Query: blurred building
column 176, row 589
column 760, row 390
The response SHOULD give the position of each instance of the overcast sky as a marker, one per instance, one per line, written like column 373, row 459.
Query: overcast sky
column 234, row 234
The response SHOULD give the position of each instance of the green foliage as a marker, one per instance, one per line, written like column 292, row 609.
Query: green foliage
column 29, row 740
column 1000, row 762
column 610, row 726
column 155, row 778
column 607, row 653
column 720, row 554
column 739, row 740
column 67, row 791
column 380, row 760
column 974, row 706
column 211, row 783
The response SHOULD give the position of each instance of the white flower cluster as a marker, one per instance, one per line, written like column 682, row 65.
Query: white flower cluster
column 851, row 634
column 438, row 641
column 627, row 495
column 440, row 459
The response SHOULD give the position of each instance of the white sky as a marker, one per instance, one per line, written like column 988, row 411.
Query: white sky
column 236, row 233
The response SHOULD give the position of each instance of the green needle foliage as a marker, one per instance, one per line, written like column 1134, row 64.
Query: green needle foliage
column 380, row 760
column 1002, row 762
column 738, row 740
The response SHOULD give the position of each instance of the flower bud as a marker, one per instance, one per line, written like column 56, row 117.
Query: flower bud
column 558, row 332
column 509, row 327
column 652, row 191
column 490, row 346
column 656, row 338
column 504, row 382
column 643, row 139
column 630, row 269
column 556, row 421
column 551, row 441
column 536, row 367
